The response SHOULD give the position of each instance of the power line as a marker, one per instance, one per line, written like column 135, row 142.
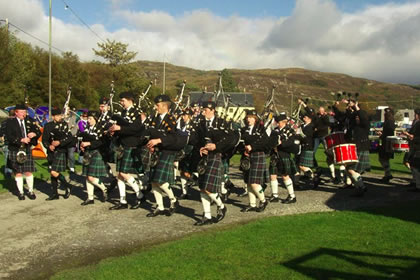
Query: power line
column 81, row 20
column 34, row 37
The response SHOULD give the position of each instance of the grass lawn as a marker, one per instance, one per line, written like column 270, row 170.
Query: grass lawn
column 376, row 243
column 42, row 172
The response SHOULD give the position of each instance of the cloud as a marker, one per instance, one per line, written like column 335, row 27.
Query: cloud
column 377, row 42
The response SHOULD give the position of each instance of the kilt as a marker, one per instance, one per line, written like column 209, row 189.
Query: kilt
column 212, row 179
column 286, row 166
column 185, row 163
column 363, row 164
column 97, row 167
column 272, row 169
column 306, row 159
column 59, row 162
column 257, row 171
column 163, row 172
column 27, row 166
column 126, row 164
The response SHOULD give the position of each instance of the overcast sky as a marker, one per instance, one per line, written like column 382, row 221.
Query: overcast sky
column 375, row 39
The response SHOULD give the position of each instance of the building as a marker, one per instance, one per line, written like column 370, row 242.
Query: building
column 240, row 101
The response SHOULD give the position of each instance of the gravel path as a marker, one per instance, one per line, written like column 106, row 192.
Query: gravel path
column 40, row 238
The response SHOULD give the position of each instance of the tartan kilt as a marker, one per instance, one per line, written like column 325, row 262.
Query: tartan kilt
column 97, row 167
column 257, row 171
column 59, row 162
column 306, row 159
column 126, row 163
column 27, row 166
column 225, row 162
column 185, row 163
column 272, row 169
column 286, row 166
column 363, row 164
column 163, row 172
column 212, row 179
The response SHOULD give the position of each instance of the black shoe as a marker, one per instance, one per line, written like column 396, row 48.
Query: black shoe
column 173, row 207
column 414, row 190
column 263, row 205
column 138, row 202
column 336, row 181
column 184, row 196
column 289, row 200
column 31, row 195
column 104, row 196
column 21, row 196
column 68, row 191
column 274, row 199
column 348, row 186
column 87, row 202
column 386, row 179
column 249, row 209
column 155, row 213
column 221, row 213
column 53, row 197
column 204, row 222
column 119, row 206
column 243, row 194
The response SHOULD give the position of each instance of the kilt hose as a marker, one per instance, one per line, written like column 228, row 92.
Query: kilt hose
column 306, row 158
column 286, row 166
column 96, row 167
column 212, row 179
column 59, row 161
column 127, row 164
column 163, row 172
column 257, row 170
column 364, row 162
column 27, row 166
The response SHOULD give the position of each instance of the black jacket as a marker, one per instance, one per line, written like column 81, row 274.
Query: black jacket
column 258, row 138
column 307, row 141
column 57, row 131
column 321, row 124
column 14, row 134
column 131, row 127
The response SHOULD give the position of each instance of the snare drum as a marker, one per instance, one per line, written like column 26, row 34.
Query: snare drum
column 345, row 153
column 396, row 144
column 334, row 139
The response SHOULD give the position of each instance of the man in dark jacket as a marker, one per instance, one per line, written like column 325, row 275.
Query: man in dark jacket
column 21, row 134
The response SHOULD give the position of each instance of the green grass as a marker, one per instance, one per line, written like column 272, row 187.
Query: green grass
column 378, row 243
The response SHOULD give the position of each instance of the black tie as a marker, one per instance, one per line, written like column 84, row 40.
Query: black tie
column 208, row 123
column 22, row 129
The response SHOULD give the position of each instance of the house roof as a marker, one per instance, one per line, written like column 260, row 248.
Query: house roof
column 242, row 99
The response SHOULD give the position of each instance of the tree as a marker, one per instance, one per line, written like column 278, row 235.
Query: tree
column 115, row 53
column 229, row 84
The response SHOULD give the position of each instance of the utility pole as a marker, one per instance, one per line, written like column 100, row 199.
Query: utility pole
column 49, row 64
column 164, row 72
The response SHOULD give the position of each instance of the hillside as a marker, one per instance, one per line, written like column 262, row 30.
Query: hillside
column 318, row 86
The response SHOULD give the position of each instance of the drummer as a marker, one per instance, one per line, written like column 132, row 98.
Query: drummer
column 385, row 154
column 359, row 132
